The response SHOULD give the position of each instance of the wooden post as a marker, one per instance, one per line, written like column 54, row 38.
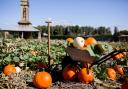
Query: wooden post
column 49, row 56
column 22, row 35
column 39, row 36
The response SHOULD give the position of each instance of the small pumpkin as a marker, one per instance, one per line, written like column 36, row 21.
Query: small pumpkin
column 9, row 69
column 119, row 69
column 34, row 53
column 119, row 56
column 79, row 43
column 69, row 41
column 90, row 41
column 111, row 73
column 85, row 75
column 18, row 69
column 70, row 72
column 42, row 80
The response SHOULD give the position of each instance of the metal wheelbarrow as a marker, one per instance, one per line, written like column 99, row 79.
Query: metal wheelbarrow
column 85, row 57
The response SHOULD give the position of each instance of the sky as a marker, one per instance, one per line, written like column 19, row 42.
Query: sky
column 108, row 13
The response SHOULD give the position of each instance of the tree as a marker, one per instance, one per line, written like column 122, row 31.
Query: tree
column 116, row 31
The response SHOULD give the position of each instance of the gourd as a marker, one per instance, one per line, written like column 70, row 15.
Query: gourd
column 79, row 42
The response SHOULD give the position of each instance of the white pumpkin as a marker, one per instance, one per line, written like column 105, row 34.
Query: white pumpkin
column 79, row 42
column 18, row 70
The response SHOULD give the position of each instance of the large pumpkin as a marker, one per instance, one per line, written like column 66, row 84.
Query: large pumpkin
column 70, row 72
column 85, row 75
column 90, row 41
column 42, row 80
column 111, row 73
column 79, row 42
column 9, row 69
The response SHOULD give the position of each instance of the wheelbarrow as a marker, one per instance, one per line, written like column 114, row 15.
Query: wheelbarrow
column 84, row 56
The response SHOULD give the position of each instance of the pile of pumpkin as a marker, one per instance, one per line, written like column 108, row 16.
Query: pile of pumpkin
column 40, row 79
column 71, row 72
column 86, row 75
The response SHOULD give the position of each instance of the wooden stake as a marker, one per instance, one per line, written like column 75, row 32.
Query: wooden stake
column 49, row 56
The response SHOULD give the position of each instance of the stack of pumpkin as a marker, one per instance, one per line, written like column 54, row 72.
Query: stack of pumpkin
column 71, row 71
column 84, row 74
column 10, row 69
column 40, row 80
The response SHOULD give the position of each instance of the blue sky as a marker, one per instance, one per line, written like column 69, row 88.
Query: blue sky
column 108, row 13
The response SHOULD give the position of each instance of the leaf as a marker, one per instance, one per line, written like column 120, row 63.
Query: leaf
column 16, row 59
column 26, row 57
column 31, row 60
column 8, row 59
column 90, row 49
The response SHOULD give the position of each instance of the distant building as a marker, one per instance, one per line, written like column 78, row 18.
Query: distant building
column 120, row 38
column 24, row 27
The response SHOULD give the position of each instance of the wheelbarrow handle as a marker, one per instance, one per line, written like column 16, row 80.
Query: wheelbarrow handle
column 108, row 56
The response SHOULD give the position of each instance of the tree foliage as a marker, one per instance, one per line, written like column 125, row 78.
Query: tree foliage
column 75, row 30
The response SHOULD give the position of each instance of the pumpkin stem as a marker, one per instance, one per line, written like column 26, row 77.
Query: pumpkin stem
column 88, row 69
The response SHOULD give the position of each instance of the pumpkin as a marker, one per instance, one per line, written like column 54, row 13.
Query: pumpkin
column 34, row 53
column 85, row 75
column 18, row 70
column 42, row 80
column 9, row 69
column 119, row 69
column 70, row 72
column 90, row 41
column 69, row 41
column 119, row 56
column 111, row 73
column 79, row 43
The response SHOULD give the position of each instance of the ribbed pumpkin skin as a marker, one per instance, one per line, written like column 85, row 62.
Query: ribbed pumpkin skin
column 42, row 80
column 111, row 73
column 70, row 72
column 85, row 76
column 9, row 69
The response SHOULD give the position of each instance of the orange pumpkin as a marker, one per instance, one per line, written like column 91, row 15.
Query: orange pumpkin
column 70, row 72
column 69, row 41
column 119, row 56
column 119, row 69
column 9, row 69
column 111, row 73
column 85, row 75
column 42, row 80
column 90, row 41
